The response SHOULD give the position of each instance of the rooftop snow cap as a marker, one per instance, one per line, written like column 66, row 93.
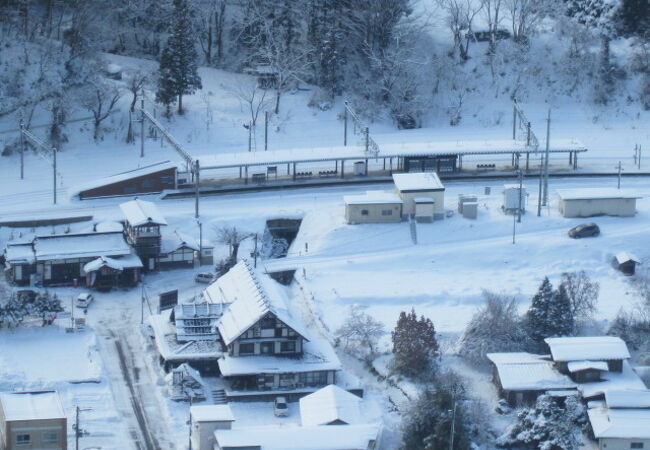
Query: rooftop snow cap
column 31, row 405
column 596, row 348
column 138, row 212
column 418, row 182
column 330, row 405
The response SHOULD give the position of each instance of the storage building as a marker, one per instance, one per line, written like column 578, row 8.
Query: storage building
column 597, row 202
column 412, row 186
column 626, row 263
column 32, row 420
column 205, row 420
column 373, row 207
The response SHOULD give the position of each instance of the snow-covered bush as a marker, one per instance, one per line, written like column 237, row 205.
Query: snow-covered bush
column 495, row 327
column 546, row 426
column 360, row 334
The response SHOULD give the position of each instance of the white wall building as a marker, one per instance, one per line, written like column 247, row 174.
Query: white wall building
column 412, row 186
column 597, row 202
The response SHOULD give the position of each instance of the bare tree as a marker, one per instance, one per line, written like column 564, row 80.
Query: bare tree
column 232, row 237
column 460, row 17
column 582, row 293
column 211, row 26
column 135, row 83
column 250, row 97
column 360, row 334
column 524, row 17
column 101, row 100
column 491, row 10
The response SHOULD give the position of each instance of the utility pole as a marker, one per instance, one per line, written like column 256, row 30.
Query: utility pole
column 539, row 193
column 54, row 172
column 639, row 158
column 521, row 194
column 255, row 253
column 548, row 137
column 345, row 126
column 196, row 189
column 453, row 426
column 142, row 304
column 200, row 242
column 22, row 150
column 366, row 132
column 618, row 186
column 514, row 120
column 250, row 127
column 77, row 432
column 142, row 126
column 266, row 130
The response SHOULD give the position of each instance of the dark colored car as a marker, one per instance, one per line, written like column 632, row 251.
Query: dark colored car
column 584, row 230
column 484, row 36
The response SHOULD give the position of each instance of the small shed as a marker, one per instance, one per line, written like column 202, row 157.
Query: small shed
column 597, row 202
column 330, row 405
column 105, row 273
column 205, row 420
column 514, row 198
column 625, row 262
column 373, row 207
column 420, row 185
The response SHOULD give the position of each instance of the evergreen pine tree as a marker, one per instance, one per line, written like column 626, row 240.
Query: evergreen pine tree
column 178, row 74
column 538, row 313
column 561, row 321
column 414, row 345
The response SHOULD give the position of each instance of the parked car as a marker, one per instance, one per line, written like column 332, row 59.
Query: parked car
column 84, row 300
column 280, row 407
column 584, row 230
column 204, row 277
column 484, row 35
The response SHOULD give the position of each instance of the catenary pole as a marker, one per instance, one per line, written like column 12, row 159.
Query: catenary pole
column 345, row 126
column 22, row 150
column 539, row 192
column 548, row 138
column 196, row 188
column 266, row 130
column 142, row 127
column 54, row 172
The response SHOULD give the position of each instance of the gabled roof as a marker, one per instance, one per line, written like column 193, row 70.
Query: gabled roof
column 176, row 240
column 138, row 212
column 627, row 378
column 417, row 182
column 269, row 437
column 528, row 372
column 85, row 245
column 623, row 257
column 628, row 398
column 20, row 253
column 128, row 262
column 619, row 423
column 596, row 348
column 330, row 405
column 250, row 300
column 31, row 405
column 577, row 366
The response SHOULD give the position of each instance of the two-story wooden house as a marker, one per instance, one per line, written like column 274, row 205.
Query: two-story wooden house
column 266, row 348
column 142, row 230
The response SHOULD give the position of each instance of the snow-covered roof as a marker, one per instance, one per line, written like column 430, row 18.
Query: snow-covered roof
column 593, row 348
column 466, row 147
column 626, row 379
column 619, row 423
column 139, row 212
column 19, row 253
column 85, row 245
column 317, row 354
column 108, row 226
column 623, row 257
column 330, row 404
column 373, row 197
column 172, row 350
column 333, row 437
column 127, row 262
column 628, row 398
column 194, row 310
column 595, row 193
column 250, row 298
column 528, row 372
column 31, row 405
column 211, row 413
column 417, row 182
column 170, row 242
column 577, row 366
column 123, row 176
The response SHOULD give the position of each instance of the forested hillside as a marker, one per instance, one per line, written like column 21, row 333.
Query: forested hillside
column 397, row 60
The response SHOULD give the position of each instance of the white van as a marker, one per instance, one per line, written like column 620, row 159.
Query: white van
column 84, row 300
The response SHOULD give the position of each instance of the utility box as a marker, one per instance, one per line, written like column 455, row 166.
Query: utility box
column 463, row 198
column 470, row 210
column 514, row 198
column 359, row 168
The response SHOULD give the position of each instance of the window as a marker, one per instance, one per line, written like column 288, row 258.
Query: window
column 267, row 348
column 168, row 179
column 287, row 380
column 313, row 378
column 246, row 349
column 23, row 439
column 129, row 189
column 386, row 212
column 636, row 445
column 147, row 183
column 364, row 212
column 288, row 346
column 50, row 437
column 267, row 323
